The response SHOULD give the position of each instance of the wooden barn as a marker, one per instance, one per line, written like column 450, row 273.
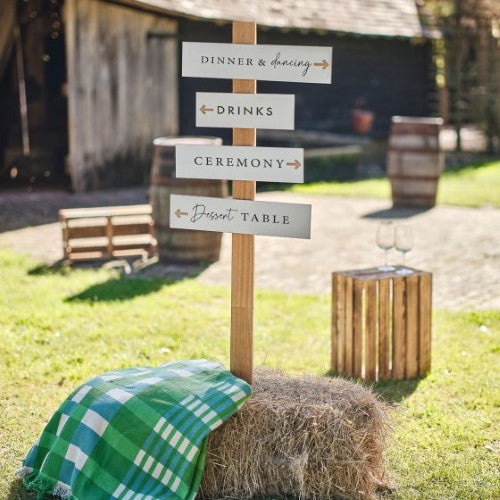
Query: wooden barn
column 85, row 85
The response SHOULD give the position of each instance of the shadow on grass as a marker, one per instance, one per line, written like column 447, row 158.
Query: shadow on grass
column 132, row 281
column 17, row 491
column 395, row 391
column 391, row 391
column 64, row 268
column 58, row 267
column 396, row 213
column 141, row 282
column 119, row 289
column 482, row 162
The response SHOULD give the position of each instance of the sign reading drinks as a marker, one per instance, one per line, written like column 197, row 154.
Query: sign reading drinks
column 286, row 63
column 274, row 111
column 239, row 163
column 240, row 216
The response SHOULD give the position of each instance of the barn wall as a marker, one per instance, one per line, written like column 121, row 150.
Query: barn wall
column 7, row 22
column 122, row 91
column 394, row 76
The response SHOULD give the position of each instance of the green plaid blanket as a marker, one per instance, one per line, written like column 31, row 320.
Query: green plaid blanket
column 136, row 434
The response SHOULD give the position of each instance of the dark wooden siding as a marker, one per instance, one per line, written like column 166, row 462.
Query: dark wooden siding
column 122, row 91
column 392, row 75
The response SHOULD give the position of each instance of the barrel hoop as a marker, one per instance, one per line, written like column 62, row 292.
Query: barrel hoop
column 159, row 225
column 414, row 177
column 415, row 128
column 186, row 248
column 396, row 149
column 158, row 180
column 415, row 195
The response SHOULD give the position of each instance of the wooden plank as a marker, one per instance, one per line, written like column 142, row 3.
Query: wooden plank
column 109, row 235
column 348, row 328
column 340, row 323
column 384, row 359
column 64, row 229
column 373, row 273
column 131, row 229
column 358, row 328
column 86, row 231
column 398, row 329
column 425, row 324
column 87, row 249
column 96, row 229
column 106, row 249
column 371, row 330
column 143, row 252
column 243, row 247
column 81, row 213
column 334, row 329
column 412, row 326
column 242, row 343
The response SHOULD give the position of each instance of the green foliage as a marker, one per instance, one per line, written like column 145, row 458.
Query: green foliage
column 328, row 168
column 62, row 326
column 473, row 185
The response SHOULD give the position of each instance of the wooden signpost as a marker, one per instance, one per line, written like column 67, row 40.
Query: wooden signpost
column 243, row 163
column 215, row 109
column 244, row 110
column 284, row 63
column 240, row 216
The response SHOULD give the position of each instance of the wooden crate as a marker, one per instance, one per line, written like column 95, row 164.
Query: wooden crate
column 106, row 232
column 381, row 324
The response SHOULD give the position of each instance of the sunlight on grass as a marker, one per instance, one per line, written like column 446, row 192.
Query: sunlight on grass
column 61, row 327
column 472, row 186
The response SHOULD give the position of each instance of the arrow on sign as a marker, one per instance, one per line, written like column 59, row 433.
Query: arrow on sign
column 204, row 109
column 179, row 213
column 324, row 64
column 295, row 164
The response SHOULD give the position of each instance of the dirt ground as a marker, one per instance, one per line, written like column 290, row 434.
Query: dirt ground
column 460, row 246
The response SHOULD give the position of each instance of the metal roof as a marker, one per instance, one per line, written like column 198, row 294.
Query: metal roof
column 396, row 18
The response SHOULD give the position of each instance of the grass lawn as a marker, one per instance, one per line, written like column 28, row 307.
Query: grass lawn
column 60, row 328
column 473, row 186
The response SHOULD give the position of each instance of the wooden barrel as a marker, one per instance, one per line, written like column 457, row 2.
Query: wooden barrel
column 414, row 161
column 181, row 245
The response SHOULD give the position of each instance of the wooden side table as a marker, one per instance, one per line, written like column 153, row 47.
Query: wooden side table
column 381, row 324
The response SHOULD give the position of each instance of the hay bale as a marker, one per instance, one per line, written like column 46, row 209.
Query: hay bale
column 301, row 437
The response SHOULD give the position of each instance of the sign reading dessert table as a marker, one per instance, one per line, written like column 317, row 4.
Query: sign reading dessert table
column 244, row 111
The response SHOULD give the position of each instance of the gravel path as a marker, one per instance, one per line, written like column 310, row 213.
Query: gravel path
column 460, row 246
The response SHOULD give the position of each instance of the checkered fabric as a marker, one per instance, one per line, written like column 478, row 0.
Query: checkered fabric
column 139, row 433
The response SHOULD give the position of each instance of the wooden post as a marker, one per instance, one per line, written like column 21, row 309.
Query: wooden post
column 424, row 321
column 242, row 266
column 384, row 318
column 371, row 330
column 358, row 328
column 398, row 329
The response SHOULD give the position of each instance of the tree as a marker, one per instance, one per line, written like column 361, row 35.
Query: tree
column 471, row 62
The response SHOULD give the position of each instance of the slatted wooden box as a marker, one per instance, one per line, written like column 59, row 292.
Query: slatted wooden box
column 107, row 232
column 381, row 324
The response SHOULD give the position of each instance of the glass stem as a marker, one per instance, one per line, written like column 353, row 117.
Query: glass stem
column 385, row 257
column 404, row 258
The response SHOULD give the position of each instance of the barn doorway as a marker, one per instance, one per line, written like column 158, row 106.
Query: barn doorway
column 33, row 102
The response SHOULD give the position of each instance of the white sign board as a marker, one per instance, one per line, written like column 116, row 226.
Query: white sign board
column 214, row 109
column 244, row 163
column 240, row 216
column 284, row 63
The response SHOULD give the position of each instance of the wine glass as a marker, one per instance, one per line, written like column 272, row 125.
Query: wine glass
column 385, row 241
column 404, row 243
